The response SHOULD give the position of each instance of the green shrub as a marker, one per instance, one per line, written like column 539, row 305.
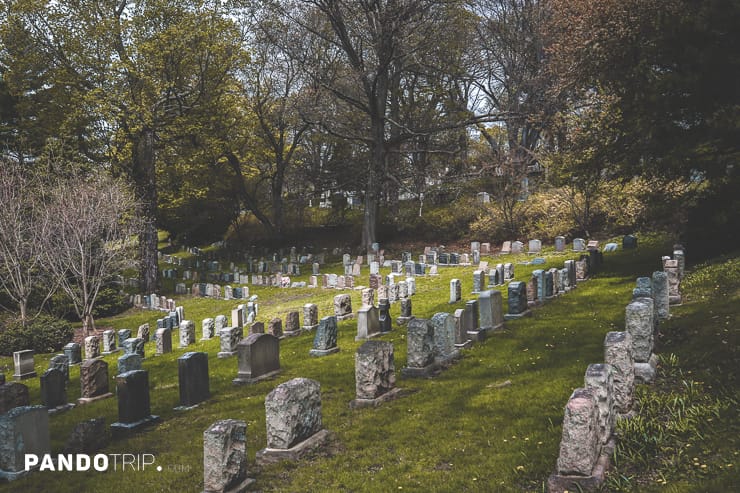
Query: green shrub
column 44, row 334
column 110, row 301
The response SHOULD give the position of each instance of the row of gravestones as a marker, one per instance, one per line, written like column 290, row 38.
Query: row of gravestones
column 588, row 441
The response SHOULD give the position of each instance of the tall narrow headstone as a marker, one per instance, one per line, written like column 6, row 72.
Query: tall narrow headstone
column 134, row 410
column 187, row 333
column 600, row 378
column 455, row 290
column 444, row 338
column 134, row 345
column 618, row 353
column 384, row 315
column 325, row 340
column 660, row 294
column 420, row 349
column 310, row 316
column 225, row 457
column 208, row 327
column 109, row 341
column 193, row 381
column 163, row 341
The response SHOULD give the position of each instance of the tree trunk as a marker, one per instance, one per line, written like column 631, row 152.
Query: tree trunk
column 277, row 198
column 145, row 180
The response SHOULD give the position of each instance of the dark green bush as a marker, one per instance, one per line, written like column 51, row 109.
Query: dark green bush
column 44, row 334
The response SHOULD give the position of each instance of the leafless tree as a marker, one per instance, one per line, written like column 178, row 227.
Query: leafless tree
column 92, row 223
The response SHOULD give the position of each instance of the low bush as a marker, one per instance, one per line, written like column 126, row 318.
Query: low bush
column 44, row 334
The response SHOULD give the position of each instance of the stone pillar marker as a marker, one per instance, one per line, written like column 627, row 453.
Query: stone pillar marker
column 23, row 364
column 134, row 409
column 73, row 352
column 660, row 294
column 92, row 347
column 639, row 323
column 225, row 457
column 187, row 333
column 230, row 337
column 375, row 374
column 600, row 379
column 109, row 341
column 163, row 341
column 294, row 421
column 292, row 324
column 258, row 358
column 192, row 368
column 618, row 353
column 325, row 340
column 517, row 301
column 310, row 316
column 208, row 326
column 444, row 338
column 420, row 349
column 23, row 430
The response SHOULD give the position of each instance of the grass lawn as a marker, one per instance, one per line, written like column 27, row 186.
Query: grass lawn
column 489, row 423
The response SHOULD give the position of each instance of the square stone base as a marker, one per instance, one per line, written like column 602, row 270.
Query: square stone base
column 226, row 354
column 240, row 488
column 514, row 316
column 247, row 379
column 88, row 400
column 675, row 300
column 23, row 376
column 61, row 409
column 272, row 456
column 348, row 316
column 362, row 403
column 477, row 335
column 429, row 370
column 323, row 352
column 309, row 328
column 557, row 483
column 121, row 429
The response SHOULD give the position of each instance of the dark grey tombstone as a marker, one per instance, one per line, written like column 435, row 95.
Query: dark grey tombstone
column 53, row 390
column 258, row 358
column 73, row 352
column 129, row 362
column 325, row 340
column 123, row 334
column 193, row 379
column 517, row 300
column 384, row 315
column 549, row 281
column 12, row 395
column 134, row 345
column 629, row 242
column 134, row 409
column 420, row 349
column 61, row 363
column 87, row 437
column 471, row 319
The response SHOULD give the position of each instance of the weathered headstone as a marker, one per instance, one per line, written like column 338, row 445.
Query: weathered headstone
column 517, row 300
column 93, row 381
column 187, row 333
column 225, row 457
column 292, row 324
column 163, row 341
column 508, row 271
column 444, row 338
column 134, row 345
column 129, row 362
column 109, row 341
column 73, row 352
column 294, row 421
column 61, row 363
column 406, row 307
column 479, row 281
column 343, row 307
column 618, row 353
column 639, row 322
column 579, row 445
column 490, row 308
column 275, row 327
column 660, row 294
column 92, row 347
column 375, row 374
column 670, row 267
column 192, row 368
column 310, row 316
column 143, row 332
column 23, row 364
column 208, row 327
column 258, row 358
column 384, row 315
column 134, row 410
column 230, row 338
column 455, row 290
column 325, row 340
column 420, row 349
column 579, row 245
column 23, row 430
column 220, row 322
column 12, row 395
column 600, row 378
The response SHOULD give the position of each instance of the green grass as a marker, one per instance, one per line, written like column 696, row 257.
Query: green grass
column 460, row 431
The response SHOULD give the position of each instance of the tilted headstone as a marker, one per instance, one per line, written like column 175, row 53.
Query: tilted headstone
column 230, row 338
column 600, row 378
column 92, row 347
column 192, row 369
column 23, row 430
column 93, row 380
column 134, row 409
column 208, row 327
column 579, row 445
column 375, row 373
column 163, row 341
column 23, row 364
column 187, row 333
column 258, row 358
column 225, row 457
column 618, row 353
column 310, row 316
column 294, row 421
column 129, row 362
column 325, row 340
column 420, row 348
column 73, row 352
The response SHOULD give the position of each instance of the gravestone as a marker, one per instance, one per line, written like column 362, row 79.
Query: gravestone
column 73, row 352
column 109, row 341
column 660, row 294
column 292, row 324
column 310, row 316
column 237, row 317
column 508, row 271
column 134, row 410
column 553, row 286
column 405, row 312
column 225, row 457
column 220, row 322
column 123, row 334
column 639, row 322
column 93, row 381
column 325, row 340
column 479, row 281
column 129, row 362
column 581, row 270
column 532, row 291
column 411, row 285
column 256, row 328
column 163, row 341
column 579, row 445
column 517, row 247
column 579, row 245
column 618, row 353
column 629, row 242
column 294, row 421
column 143, row 332
column 549, row 284
column 384, row 315
column 23, row 364
column 343, row 307
column 375, row 375
column 92, row 347
column 208, row 327
column 572, row 277
column 230, row 338
column 455, row 290
column 275, row 327
column 187, row 333
column 134, row 345
column 559, row 243
column 12, row 395
column 61, row 363
column 611, row 247
column 670, row 267
column 23, row 430
column 490, row 308
column 53, row 390
column 461, row 334
column 506, row 248
column 485, row 248
column 87, row 437
column 192, row 370
column 420, row 349
column 258, row 358
column 471, row 320
column 600, row 379
column 368, row 297
column 535, row 246
column 539, row 274
column 368, row 323
column 444, row 338
column 517, row 301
